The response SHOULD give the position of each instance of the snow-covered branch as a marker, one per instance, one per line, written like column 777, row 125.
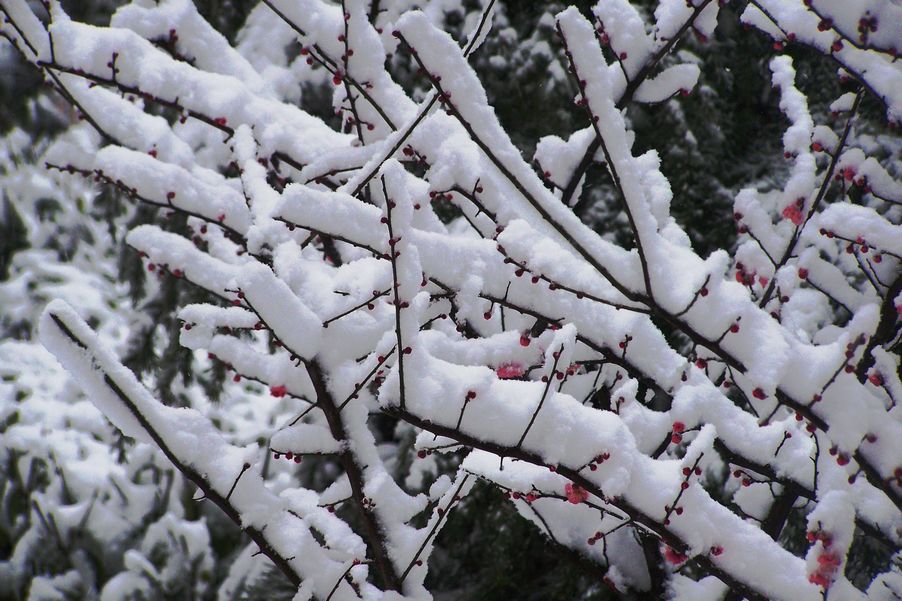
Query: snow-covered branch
column 408, row 273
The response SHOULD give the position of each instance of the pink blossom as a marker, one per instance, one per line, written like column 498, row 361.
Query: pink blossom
column 575, row 493
column 828, row 565
column 793, row 213
column 673, row 556
column 507, row 371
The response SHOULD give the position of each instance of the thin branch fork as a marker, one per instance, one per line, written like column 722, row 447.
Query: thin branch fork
column 442, row 514
column 793, row 486
column 529, row 197
column 332, row 67
column 822, row 191
column 398, row 303
column 593, row 119
column 631, row 87
column 354, row 470
column 557, row 285
column 57, row 82
column 376, row 295
column 548, row 381
column 52, row 66
column 233, row 234
column 855, row 73
column 350, row 463
column 424, row 109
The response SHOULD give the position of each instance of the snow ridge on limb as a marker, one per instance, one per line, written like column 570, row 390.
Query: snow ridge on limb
column 465, row 97
column 224, row 473
column 322, row 28
column 220, row 100
column 869, row 55
column 673, row 18
column 179, row 23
